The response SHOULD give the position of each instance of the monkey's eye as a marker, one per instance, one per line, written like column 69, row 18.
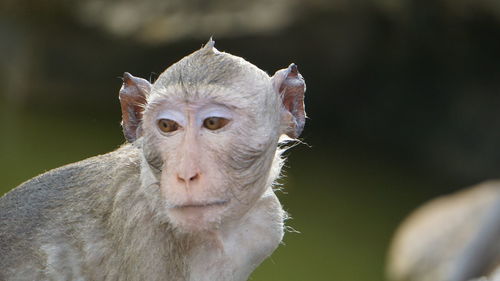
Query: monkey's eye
column 167, row 125
column 215, row 123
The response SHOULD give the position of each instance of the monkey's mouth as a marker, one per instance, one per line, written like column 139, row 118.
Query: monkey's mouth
column 193, row 216
column 196, row 205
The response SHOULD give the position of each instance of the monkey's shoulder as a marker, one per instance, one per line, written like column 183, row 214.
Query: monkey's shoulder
column 74, row 181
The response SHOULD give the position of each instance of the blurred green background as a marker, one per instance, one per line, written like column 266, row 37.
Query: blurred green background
column 403, row 99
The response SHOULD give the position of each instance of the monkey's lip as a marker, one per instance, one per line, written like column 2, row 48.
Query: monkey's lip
column 217, row 203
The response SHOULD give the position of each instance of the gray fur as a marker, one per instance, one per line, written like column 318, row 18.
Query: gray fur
column 85, row 206
column 106, row 218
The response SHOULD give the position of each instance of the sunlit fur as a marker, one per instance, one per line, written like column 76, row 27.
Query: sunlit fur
column 109, row 217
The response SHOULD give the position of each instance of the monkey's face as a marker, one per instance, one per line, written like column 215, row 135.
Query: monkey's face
column 210, row 127
column 213, row 148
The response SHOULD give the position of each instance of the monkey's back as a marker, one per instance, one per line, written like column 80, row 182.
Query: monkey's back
column 59, row 198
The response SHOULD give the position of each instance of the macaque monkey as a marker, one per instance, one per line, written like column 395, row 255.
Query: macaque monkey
column 451, row 238
column 189, row 197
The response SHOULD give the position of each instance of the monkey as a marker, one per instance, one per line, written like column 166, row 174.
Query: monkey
column 189, row 196
column 455, row 237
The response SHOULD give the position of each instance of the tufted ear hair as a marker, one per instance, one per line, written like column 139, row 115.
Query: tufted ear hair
column 133, row 94
column 291, row 86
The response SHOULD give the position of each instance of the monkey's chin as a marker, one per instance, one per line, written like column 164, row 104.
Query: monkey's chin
column 201, row 217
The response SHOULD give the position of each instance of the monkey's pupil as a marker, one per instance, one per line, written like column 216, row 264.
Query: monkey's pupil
column 214, row 123
column 167, row 125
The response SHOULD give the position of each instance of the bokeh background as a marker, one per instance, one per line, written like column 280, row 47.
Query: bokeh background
column 403, row 99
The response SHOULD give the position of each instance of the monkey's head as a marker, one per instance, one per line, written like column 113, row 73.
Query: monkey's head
column 209, row 128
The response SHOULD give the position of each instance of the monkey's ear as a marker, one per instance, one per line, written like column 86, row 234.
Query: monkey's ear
column 291, row 86
column 133, row 95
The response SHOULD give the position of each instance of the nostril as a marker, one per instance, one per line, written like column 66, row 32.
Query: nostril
column 183, row 178
column 194, row 177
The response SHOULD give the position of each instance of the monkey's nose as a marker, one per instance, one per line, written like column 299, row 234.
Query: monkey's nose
column 188, row 177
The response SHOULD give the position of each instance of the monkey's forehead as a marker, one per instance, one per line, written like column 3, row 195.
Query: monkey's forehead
column 236, row 95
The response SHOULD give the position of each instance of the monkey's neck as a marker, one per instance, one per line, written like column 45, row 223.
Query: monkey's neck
column 234, row 251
